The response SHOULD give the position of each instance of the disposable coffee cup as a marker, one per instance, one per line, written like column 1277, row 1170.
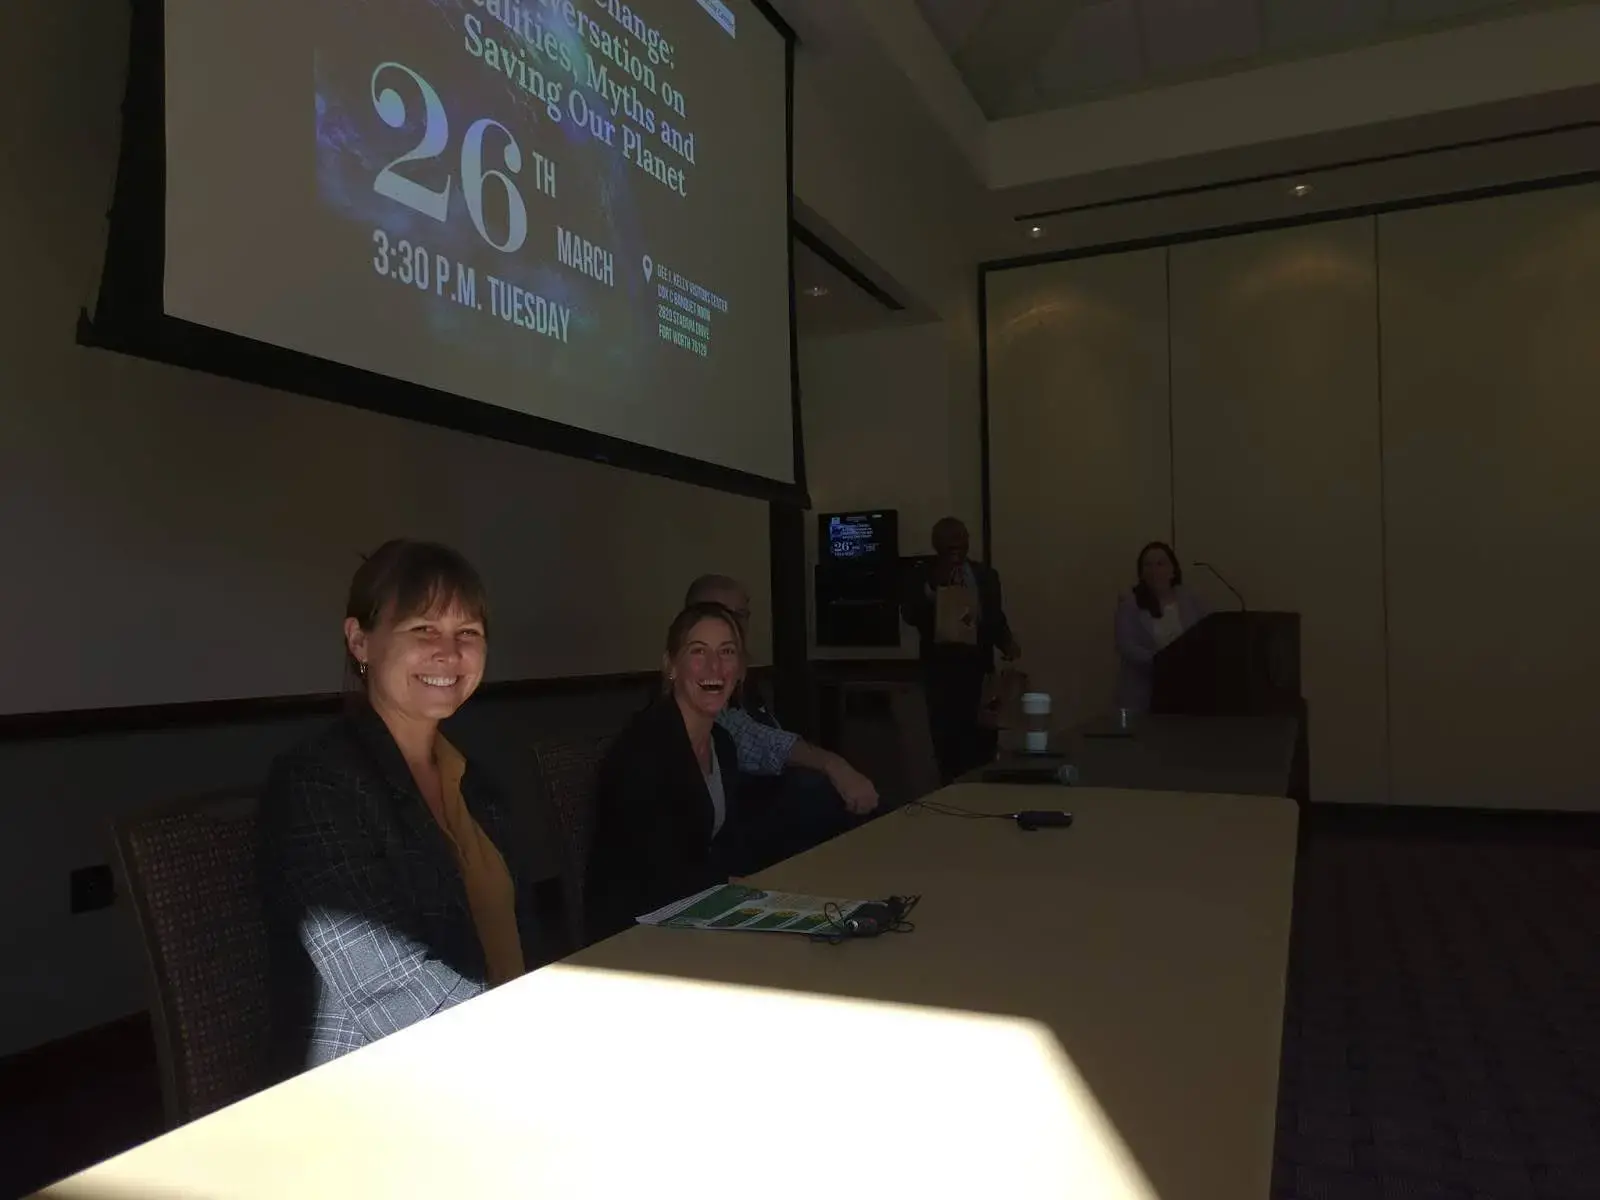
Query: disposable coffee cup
column 1036, row 711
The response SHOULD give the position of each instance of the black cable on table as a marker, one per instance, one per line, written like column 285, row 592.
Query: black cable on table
column 955, row 810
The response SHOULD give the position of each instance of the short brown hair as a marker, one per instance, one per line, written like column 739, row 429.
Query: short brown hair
column 405, row 578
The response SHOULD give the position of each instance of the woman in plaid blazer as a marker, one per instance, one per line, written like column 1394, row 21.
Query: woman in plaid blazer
column 403, row 872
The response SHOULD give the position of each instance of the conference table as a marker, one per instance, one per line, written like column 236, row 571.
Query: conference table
column 1084, row 1012
column 1236, row 755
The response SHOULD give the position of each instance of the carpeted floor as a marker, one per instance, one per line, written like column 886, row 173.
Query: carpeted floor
column 71, row 1104
column 1442, row 1037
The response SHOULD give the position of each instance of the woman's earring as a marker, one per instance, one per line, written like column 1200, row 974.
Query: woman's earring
column 361, row 670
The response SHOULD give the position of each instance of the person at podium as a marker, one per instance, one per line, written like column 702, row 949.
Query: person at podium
column 1149, row 619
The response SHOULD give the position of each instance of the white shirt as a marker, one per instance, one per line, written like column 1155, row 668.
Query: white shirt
column 719, row 798
column 1168, row 625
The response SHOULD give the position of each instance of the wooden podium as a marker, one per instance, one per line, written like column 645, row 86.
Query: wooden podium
column 1237, row 663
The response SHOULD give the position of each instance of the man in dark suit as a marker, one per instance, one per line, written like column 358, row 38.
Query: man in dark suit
column 954, row 604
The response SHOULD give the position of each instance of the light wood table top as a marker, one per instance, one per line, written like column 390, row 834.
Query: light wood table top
column 1090, row 1012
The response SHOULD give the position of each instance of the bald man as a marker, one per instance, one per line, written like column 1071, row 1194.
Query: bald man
column 801, row 794
column 954, row 668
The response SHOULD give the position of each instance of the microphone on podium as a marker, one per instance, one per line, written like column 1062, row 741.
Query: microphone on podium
column 1223, row 579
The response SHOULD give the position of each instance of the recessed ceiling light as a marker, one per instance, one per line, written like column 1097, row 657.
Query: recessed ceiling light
column 1301, row 189
column 1035, row 231
column 816, row 291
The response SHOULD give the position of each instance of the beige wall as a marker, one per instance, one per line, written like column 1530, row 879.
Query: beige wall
column 169, row 536
column 1276, row 465
column 199, row 503
column 1382, row 424
column 1491, row 352
column 175, row 536
column 890, row 413
column 889, row 422
column 878, row 180
column 1079, row 456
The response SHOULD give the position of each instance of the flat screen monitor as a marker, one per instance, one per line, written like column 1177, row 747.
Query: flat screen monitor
column 859, row 539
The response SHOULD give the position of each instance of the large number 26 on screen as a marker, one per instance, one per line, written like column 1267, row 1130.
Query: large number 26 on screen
column 435, row 138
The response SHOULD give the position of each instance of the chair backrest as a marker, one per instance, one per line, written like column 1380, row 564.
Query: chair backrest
column 570, row 765
column 191, row 872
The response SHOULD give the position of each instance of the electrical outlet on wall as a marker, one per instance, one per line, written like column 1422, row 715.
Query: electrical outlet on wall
column 92, row 888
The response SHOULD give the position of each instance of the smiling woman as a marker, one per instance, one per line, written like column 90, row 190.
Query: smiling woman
column 416, row 630
column 394, row 884
column 703, row 664
column 671, row 783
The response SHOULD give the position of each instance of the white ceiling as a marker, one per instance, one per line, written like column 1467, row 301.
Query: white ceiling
column 1026, row 56
column 1137, row 214
column 1433, row 97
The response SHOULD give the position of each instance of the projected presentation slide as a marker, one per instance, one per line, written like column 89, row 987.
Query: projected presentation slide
column 573, row 209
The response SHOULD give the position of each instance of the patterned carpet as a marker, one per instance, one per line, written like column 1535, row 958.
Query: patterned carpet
column 1442, row 1036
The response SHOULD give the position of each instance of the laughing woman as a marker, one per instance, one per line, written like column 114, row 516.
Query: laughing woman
column 667, row 801
column 401, row 876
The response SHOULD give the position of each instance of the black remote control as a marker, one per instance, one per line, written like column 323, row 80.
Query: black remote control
column 1043, row 820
